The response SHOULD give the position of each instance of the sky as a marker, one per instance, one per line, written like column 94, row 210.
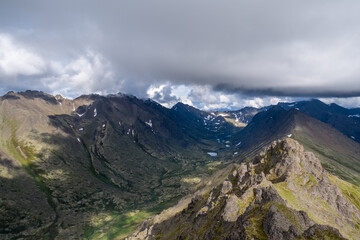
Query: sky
column 206, row 53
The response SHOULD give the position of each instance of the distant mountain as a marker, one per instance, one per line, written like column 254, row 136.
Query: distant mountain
column 203, row 125
column 345, row 120
column 339, row 154
column 265, row 127
column 283, row 193
column 241, row 117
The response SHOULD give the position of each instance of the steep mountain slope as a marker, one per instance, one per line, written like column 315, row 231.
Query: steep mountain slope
column 345, row 120
column 86, row 160
column 243, row 116
column 283, row 193
column 338, row 153
column 203, row 125
column 264, row 128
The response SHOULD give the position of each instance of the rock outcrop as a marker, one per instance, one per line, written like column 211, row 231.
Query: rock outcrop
column 284, row 193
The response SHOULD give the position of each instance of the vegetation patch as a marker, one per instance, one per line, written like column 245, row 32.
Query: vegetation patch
column 289, row 215
column 351, row 191
column 234, row 122
column 245, row 201
column 112, row 226
column 191, row 180
column 213, row 165
column 312, row 182
column 326, row 206
column 255, row 229
column 324, row 235
column 287, row 194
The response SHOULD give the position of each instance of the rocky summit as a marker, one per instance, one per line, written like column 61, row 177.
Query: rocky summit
column 283, row 193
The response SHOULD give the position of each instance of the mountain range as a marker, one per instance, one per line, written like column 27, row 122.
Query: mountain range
column 95, row 167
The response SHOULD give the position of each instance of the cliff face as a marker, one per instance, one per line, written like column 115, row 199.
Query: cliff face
column 283, row 193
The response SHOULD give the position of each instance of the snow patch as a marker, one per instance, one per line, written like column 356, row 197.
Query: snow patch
column 238, row 144
column 80, row 115
column 352, row 137
column 208, row 117
column 355, row 115
column 149, row 123
column 289, row 135
column 79, row 140
column 212, row 154
column 95, row 112
column 104, row 125
column 119, row 123
column 227, row 146
column 235, row 153
column 81, row 129
column 128, row 131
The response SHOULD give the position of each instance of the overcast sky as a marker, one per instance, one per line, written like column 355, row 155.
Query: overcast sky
column 211, row 54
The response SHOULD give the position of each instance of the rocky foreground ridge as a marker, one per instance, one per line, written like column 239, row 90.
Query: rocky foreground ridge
column 284, row 193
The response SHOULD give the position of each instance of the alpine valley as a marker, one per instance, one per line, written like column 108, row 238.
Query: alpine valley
column 119, row 167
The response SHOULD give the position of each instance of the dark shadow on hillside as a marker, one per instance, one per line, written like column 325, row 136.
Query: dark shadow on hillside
column 74, row 179
column 23, row 205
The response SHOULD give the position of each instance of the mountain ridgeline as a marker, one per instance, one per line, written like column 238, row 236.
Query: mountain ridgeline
column 283, row 193
column 96, row 166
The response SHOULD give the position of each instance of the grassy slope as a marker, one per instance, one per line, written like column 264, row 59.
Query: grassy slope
column 338, row 154
column 120, row 225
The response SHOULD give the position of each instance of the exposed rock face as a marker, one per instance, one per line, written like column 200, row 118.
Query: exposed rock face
column 277, row 226
column 231, row 209
column 284, row 193
column 226, row 187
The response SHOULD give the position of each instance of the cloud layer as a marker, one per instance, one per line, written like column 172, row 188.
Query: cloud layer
column 208, row 53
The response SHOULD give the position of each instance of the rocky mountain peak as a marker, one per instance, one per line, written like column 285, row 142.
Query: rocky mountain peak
column 283, row 193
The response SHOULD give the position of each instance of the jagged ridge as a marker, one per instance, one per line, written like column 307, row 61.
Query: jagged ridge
column 284, row 193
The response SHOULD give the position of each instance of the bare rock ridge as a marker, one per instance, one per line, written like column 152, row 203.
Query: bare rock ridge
column 283, row 193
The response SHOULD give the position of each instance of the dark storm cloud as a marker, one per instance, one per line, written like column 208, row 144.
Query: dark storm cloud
column 164, row 95
column 274, row 48
column 287, row 91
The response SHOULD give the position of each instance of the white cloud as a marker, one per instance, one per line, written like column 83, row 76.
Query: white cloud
column 89, row 73
column 153, row 90
column 345, row 102
column 255, row 102
column 275, row 100
column 23, row 68
column 205, row 98
column 16, row 59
